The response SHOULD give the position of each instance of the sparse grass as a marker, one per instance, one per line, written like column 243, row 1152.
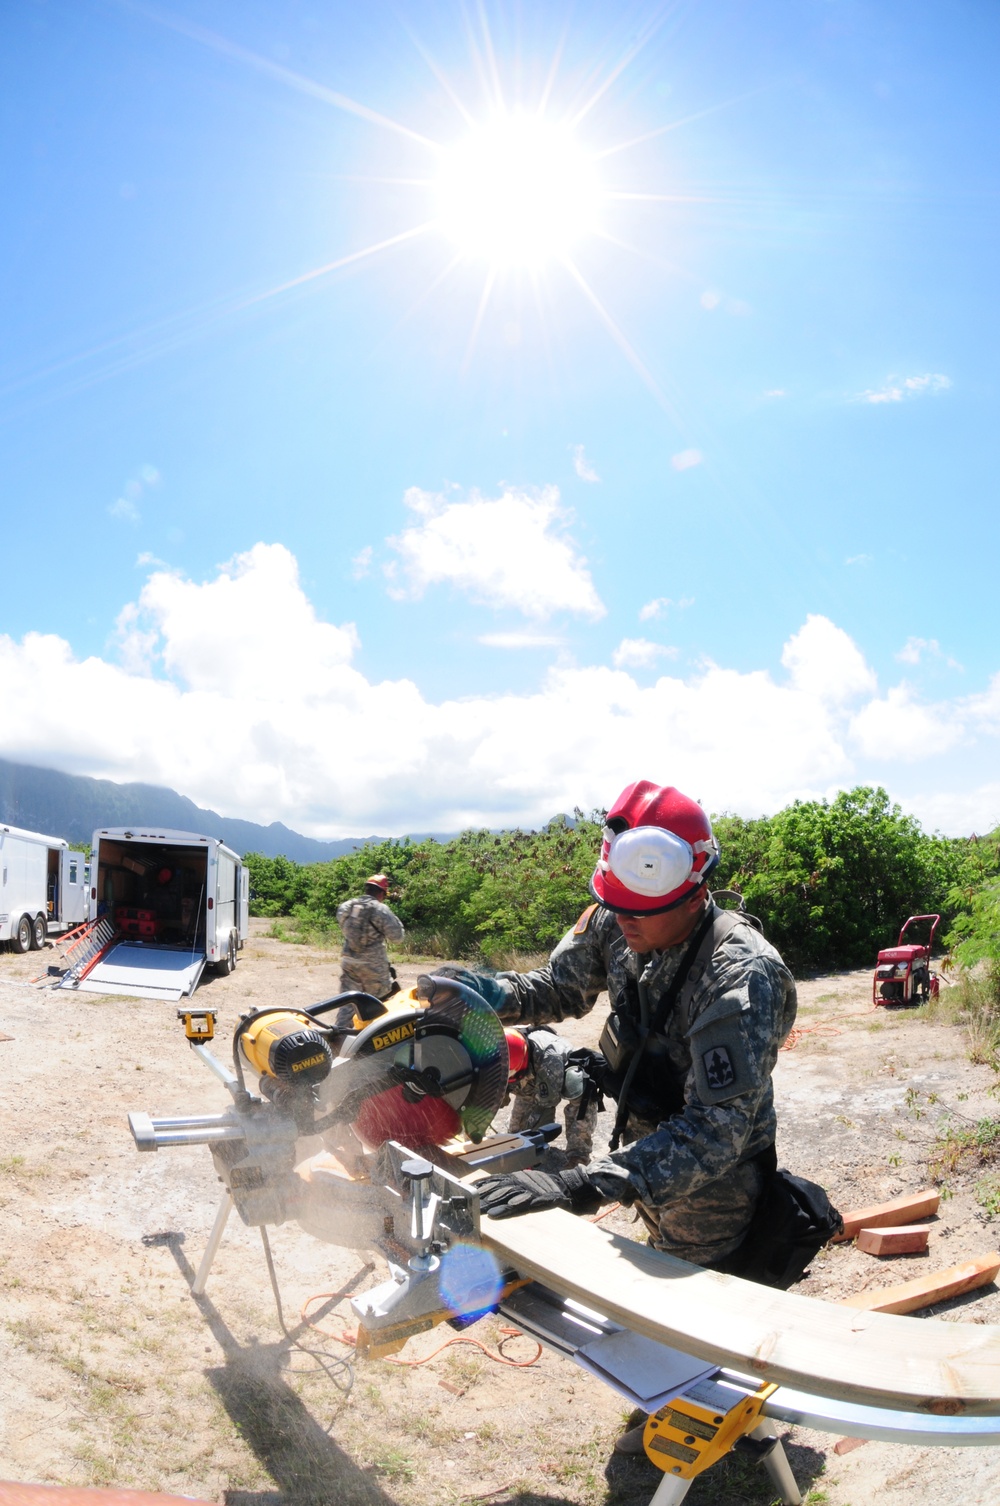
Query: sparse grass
column 987, row 1192
column 961, row 1148
column 394, row 1463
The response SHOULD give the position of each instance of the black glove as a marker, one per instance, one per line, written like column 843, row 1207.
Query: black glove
column 517, row 1192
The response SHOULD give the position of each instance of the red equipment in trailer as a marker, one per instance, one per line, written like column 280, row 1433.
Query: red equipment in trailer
column 903, row 973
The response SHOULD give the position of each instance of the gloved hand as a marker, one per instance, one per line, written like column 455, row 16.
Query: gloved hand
column 490, row 989
column 515, row 1192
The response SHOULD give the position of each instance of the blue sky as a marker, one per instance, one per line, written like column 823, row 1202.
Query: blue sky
column 704, row 495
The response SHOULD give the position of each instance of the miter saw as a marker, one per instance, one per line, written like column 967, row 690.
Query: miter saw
column 365, row 1123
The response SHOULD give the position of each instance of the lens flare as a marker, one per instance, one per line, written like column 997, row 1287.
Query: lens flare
column 517, row 192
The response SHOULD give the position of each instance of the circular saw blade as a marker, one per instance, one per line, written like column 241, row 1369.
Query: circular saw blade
column 452, row 1049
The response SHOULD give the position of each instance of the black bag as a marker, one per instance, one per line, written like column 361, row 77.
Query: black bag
column 793, row 1221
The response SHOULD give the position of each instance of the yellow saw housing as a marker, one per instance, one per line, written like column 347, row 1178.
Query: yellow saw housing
column 287, row 1046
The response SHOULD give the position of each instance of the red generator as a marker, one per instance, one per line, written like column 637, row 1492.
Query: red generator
column 903, row 972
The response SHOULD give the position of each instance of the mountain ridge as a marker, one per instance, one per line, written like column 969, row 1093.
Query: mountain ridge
column 74, row 806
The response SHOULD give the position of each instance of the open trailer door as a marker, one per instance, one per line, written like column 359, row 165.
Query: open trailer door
column 141, row 971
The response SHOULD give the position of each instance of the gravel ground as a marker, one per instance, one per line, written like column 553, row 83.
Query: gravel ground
column 114, row 1374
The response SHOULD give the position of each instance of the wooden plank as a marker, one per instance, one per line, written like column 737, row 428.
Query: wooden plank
column 905, row 1239
column 899, row 1210
column 924, row 1291
column 826, row 1349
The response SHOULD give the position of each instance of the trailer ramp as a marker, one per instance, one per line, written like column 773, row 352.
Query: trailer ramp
column 142, row 971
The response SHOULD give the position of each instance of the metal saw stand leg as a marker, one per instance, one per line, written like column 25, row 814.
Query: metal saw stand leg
column 214, row 1241
column 777, row 1465
column 670, row 1491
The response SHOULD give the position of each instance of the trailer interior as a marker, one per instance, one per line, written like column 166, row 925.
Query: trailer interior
column 153, row 892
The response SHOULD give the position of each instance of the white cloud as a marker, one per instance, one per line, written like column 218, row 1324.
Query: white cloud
column 508, row 551
column 915, row 650
column 685, row 459
column 661, row 605
column 126, row 506
column 824, row 661
column 712, row 299
column 900, row 389
column 776, row 392
column 897, row 726
column 860, row 559
column 362, row 562
column 640, row 653
column 958, row 812
column 582, row 465
column 520, row 640
column 236, row 693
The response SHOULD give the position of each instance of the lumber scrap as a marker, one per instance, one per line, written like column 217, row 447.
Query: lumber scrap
column 898, row 1210
column 904, row 1239
column 820, row 1347
column 924, row 1291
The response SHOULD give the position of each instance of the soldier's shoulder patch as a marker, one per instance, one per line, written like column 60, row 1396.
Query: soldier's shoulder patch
column 583, row 923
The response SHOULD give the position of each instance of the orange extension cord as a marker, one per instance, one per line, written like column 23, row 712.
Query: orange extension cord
column 798, row 1031
column 496, row 1355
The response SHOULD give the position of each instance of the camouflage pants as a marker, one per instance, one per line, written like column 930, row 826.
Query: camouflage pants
column 708, row 1224
column 369, row 974
column 528, row 1114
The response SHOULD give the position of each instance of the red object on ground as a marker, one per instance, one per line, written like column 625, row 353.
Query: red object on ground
column 388, row 1116
column 903, row 973
column 74, row 1495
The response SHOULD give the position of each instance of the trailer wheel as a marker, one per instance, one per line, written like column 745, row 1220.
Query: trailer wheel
column 39, row 932
column 228, row 962
column 20, row 936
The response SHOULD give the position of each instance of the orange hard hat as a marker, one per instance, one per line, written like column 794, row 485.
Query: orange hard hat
column 378, row 881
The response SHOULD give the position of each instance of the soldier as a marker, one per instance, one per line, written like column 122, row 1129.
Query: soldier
column 699, row 1005
column 367, row 924
column 542, row 1074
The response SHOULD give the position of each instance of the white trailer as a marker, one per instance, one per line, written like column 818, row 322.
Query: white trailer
column 177, row 902
column 43, row 887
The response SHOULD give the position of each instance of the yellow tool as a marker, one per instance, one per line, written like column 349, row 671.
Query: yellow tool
column 287, row 1045
column 199, row 1024
column 696, row 1428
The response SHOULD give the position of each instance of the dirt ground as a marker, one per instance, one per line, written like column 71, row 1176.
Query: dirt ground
column 115, row 1374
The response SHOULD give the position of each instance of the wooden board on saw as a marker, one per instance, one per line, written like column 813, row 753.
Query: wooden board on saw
column 827, row 1349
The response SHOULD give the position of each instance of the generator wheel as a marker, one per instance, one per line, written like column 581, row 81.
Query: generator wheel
column 39, row 932
column 20, row 936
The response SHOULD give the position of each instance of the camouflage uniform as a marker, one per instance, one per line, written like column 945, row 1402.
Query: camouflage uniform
column 702, row 1115
column 367, row 925
column 549, row 1078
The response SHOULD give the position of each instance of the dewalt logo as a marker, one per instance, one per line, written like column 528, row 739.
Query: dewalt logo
column 393, row 1037
column 310, row 1061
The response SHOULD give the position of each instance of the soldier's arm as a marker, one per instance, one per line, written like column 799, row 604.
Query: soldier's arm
column 568, row 986
column 734, row 1046
column 389, row 924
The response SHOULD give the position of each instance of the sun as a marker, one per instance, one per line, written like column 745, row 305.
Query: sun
column 517, row 192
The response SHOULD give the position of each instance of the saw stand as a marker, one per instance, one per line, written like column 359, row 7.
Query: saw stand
column 672, row 1490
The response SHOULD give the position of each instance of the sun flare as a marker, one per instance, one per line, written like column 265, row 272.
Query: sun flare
column 517, row 192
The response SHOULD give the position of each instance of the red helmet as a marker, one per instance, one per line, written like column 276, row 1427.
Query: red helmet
column 378, row 881
column 517, row 1052
column 658, row 849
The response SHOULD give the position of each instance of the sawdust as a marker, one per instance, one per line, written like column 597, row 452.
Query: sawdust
column 113, row 1373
